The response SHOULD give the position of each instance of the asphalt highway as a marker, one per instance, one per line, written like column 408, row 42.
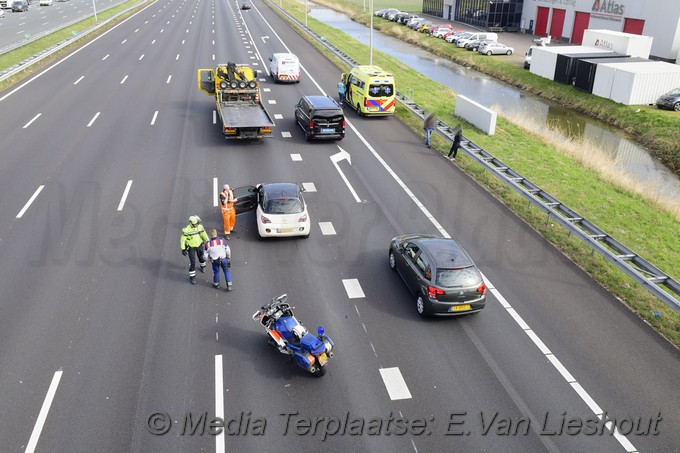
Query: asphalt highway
column 103, row 340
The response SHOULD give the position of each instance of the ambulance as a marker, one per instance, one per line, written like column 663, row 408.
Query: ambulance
column 370, row 91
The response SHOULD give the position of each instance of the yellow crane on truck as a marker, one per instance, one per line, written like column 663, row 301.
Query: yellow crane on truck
column 237, row 99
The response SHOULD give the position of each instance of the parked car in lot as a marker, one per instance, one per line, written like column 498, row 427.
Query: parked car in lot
column 399, row 16
column 409, row 17
column 495, row 48
column 474, row 45
column 670, row 100
column 441, row 31
column 19, row 6
column 320, row 117
column 454, row 37
column 280, row 209
column 391, row 15
column 424, row 26
column 439, row 273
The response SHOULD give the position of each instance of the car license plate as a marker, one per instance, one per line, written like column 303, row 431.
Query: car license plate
column 460, row 307
column 327, row 130
column 286, row 230
column 661, row 102
column 323, row 358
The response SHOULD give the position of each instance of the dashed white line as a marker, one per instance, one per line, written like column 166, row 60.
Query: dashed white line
column 124, row 79
column 327, row 228
column 296, row 157
column 215, row 191
column 153, row 42
column 44, row 410
column 285, row 134
column 123, row 41
column 214, row 117
column 30, row 201
column 31, row 122
column 125, row 195
column 177, row 57
column 169, row 77
column 353, row 288
column 93, row 119
column 309, row 186
column 278, row 116
column 81, row 78
column 141, row 56
column 266, row 90
column 395, row 384
column 271, row 101
column 155, row 115
column 105, row 57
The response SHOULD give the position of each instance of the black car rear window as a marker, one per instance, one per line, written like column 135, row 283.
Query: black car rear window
column 454, row 278
column 329, row 115
column 283, row 206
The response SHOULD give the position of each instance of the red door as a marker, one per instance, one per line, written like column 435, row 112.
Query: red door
column 542, row 21
column 557, row 24
column 633, row 26
column 580, row 25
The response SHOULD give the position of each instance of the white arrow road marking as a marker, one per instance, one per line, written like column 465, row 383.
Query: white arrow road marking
column 44, row 410
column 353, row 288
column 263, row 39
column 394, row 381
column 28, row 203
column 337, row 157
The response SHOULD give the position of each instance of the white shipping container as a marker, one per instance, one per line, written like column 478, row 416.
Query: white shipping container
column 635, row 83
column 544, row 59
column 616, row 41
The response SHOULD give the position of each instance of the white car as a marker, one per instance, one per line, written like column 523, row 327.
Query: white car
column 495, row 48
column 441, row 31
column 452, row 38
column 280, row 209
column 45, row 2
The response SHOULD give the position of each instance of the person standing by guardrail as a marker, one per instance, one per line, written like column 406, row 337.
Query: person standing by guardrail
column 428, row 126
column 456, row 142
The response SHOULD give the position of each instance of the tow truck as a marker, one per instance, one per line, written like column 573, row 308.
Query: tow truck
column 237, row 99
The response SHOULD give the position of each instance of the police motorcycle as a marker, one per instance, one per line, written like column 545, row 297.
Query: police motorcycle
column 290, row 337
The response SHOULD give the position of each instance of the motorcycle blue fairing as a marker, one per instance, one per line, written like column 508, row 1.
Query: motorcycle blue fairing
column 284, row 326
column 312, row 344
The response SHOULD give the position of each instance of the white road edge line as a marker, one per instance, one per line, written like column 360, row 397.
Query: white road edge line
column 31, row 122
column 28, row 203
column 44, row 410
column 219, row 403
column 625, row 443
column 125, row 195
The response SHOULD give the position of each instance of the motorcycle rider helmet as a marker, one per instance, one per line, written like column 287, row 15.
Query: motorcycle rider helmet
column 194, row 220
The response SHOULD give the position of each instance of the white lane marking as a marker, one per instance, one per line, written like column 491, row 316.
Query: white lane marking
column 169, row 77
column 162, row 30
column 140, row 57
column 220, row 444
column 215, row 192
column 353, row 288
column 93, row 119
column 285, row 134
column 266, row 90
column 309, row 186
column 105, row 57
column 296, row 157
column 263, row 80
column 394, row 381
column 31, row 122
column 44, row 410
column 357, row 309
column 327, row 228
column 153, row 42
column 214, row 116
column 213, row 57
column 177, row 57
column 337, row 157
column 272, row 101
column 124, row 41
column 413, row 443
column 81, row 78
column 31, row 200
column 278, row 116
column 252, row 58
column 124, row 79
column 136, row 30
column 125, row 195
column 155, row 115
column 563, row 371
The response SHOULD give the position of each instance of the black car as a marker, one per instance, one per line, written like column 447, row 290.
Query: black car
column 20, row 6
column 245, row 6
column 670, row 100
column 440, row 274
column 321, row 117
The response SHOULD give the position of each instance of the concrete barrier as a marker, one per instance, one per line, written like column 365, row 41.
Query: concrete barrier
column 476, row 114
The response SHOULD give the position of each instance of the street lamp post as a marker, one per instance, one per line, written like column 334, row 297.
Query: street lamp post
column 305, row 13
column 94, row 7
column 370, row 36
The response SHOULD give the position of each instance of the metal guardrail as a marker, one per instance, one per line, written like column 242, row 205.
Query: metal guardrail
column 650, row 277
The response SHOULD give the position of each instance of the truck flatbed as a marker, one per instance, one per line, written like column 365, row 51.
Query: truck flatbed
column 244, row 116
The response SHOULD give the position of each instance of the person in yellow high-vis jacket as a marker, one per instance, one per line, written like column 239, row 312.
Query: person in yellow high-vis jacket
column 191, row 243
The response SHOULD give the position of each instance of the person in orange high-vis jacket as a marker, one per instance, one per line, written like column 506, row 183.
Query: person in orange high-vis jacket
column 228, row 212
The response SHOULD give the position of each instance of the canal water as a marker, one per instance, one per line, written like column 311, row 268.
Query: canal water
column 629, row 157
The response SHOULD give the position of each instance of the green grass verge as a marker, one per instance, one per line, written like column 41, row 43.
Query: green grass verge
column 658, row 130
column 35, row 47
column 647, row 230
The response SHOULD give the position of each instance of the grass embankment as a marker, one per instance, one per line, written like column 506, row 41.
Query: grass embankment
column 658, row 130
column 642, row 226
column 35, row 47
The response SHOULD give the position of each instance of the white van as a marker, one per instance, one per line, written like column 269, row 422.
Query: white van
column 284, row 67
column 477, row 36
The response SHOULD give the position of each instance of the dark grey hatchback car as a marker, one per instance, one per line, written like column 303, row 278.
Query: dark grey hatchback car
column 320, row 117
column 439, row 273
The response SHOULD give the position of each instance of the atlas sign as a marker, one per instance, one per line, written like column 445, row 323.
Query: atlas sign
column 608, row 7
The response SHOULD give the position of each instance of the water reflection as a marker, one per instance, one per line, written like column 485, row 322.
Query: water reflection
column 629, row 157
